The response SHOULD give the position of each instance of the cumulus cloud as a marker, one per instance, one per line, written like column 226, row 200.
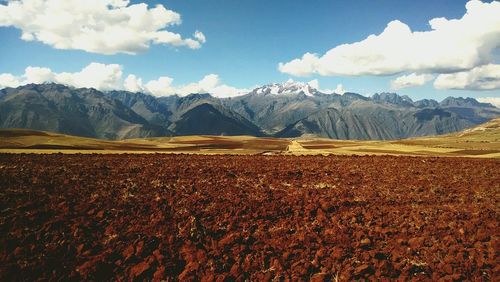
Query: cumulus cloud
column 160, row 87
column 200, row 36
column 8, row 80
column 485, row 77
column 304, row 66
column 110, row 77
column 208, row 84
column 314, row 84
column 495, row 101
column 95, row 75
column 133, row 84
column 410, row 80
column 97, row 26
column 338, row 90
column 225, row 91
column 452, row 45
column 38, row 75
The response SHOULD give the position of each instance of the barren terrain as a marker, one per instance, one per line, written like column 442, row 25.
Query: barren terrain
column 222, row 218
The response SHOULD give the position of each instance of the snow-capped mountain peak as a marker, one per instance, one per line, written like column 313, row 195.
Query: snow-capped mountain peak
column 290, row 87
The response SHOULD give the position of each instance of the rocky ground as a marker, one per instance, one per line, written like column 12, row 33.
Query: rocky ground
column 224, row 218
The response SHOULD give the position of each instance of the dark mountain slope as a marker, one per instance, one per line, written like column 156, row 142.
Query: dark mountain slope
column 82, row 112
column 210, row 119
column 375, row 123
column 179, row 105
column 274, row 112
column 144, row 105
column 470, row 109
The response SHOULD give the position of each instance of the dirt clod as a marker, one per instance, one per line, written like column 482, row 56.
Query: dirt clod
column 248, row 218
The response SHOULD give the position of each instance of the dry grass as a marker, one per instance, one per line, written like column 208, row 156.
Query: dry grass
column 479, row 142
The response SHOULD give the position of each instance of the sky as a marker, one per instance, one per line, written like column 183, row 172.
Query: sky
column 424, row 49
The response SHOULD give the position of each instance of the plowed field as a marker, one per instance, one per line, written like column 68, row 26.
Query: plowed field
column 225, row 218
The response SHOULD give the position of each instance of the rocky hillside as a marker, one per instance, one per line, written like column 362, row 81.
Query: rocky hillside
column 291, row 109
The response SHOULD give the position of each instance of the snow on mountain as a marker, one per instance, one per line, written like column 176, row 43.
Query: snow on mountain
column 288, row 88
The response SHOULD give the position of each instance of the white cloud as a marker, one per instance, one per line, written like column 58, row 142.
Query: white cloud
column 315, row 84
column 200, row 36
column 208, row 84
column 133, row 84
column 8, row 80
column 160, row 87
column 304, row 66
column 38, row 75
column 203, row 86
column 495, row 101
column 95, row 75
column 481, row 78
column 450, row 46
column 410, row 80
column 339, row 90
column 224, row 91
column 110, row 77
column 97, row 26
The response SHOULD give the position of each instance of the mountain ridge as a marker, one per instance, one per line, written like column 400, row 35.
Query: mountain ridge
column 291, row 109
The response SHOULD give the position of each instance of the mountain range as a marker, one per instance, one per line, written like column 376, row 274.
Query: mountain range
column 291, row 109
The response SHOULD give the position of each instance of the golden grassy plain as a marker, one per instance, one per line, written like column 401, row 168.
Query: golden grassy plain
column 481, row 142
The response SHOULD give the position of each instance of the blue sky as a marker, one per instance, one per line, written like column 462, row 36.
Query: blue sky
column 247, row 39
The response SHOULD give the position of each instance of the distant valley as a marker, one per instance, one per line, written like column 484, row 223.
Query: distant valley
column 482, row 141
column 290, row 109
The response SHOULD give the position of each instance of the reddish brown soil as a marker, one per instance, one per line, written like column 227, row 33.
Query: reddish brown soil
column 223, row 218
